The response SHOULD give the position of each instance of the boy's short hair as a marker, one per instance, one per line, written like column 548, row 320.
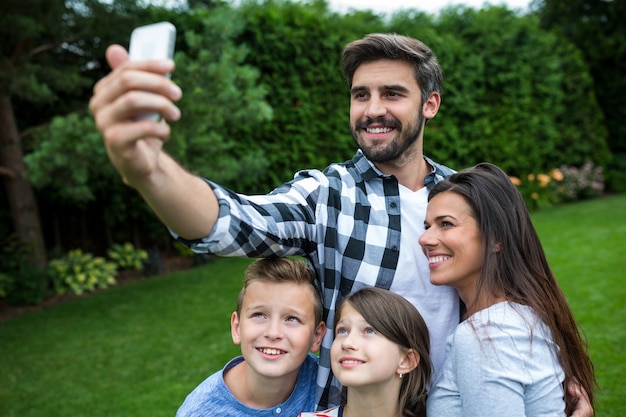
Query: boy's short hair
column 282, row 270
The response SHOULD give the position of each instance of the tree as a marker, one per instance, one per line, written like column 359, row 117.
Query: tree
column 222, row 97
column 68, row 163
column 297, row 47
column 596, row 28
column 50, row 54
column 514, row 94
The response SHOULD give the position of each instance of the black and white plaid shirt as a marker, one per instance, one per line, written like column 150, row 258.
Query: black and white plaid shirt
column 345, row 221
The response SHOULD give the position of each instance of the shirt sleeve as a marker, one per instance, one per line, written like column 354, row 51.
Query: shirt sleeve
column 490, row 373
column 281, row 223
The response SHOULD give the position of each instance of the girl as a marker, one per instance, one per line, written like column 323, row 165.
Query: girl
column 519, row 343
column 380, row 355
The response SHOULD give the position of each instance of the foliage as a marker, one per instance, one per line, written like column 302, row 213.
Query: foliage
column 27, row 285
column 297, row 47
column 581, row 183
column 221, row 94
column 20, row 283
column 540, row 190
column 513, row 94
column 70, row 170
column 126, row 256
column 616, row 173
column 52, row 51
column 78, row 272
column 263, row 97
column 69, row 160
column 6, row 281
column 596, row 28
column 560, row 185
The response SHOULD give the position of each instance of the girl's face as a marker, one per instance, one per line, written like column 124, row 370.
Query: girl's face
column 453, row 244
column 361, row 357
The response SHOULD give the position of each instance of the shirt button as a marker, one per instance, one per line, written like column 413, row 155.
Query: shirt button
column 278, row 410
column 393, row 204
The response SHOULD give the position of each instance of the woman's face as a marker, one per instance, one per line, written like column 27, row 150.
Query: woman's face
column 453, row 244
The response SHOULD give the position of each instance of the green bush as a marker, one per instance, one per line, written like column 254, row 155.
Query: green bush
column 6, row 281
column 19, row 282
column 127, row 257
column 78, row 272
column 27, row 285
column 615, row 174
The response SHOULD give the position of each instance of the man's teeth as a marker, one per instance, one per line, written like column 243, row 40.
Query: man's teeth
column 435, row 259
column 378, row 129
column 271, row 351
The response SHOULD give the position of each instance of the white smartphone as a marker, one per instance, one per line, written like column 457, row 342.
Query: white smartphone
column 154, row 41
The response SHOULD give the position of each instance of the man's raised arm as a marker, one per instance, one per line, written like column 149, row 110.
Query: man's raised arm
column 182, row 201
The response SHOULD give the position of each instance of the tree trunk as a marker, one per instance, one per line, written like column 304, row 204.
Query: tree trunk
column 22, row 202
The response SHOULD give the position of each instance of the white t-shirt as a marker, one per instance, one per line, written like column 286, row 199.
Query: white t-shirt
column 426, row 297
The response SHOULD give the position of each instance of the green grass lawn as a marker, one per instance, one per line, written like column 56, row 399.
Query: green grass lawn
column 138, row 349
column 586, row 245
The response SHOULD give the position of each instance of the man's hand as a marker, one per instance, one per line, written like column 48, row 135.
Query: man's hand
column 134, row 147
column 583, row 405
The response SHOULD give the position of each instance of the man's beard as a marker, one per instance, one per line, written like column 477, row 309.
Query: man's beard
column 398, row 145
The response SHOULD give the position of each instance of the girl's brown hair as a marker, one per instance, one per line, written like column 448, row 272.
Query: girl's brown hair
column 398, row 320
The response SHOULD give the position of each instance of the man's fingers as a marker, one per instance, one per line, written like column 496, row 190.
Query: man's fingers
column 116, row 55
column 121, row 96
column 583, row 406
column 120, row 136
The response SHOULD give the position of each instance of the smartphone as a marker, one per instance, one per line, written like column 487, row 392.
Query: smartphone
column 154, row 41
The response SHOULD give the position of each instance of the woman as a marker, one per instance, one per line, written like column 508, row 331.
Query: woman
column 519, row 344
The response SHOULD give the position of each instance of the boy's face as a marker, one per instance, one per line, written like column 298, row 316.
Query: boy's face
column 276, row 328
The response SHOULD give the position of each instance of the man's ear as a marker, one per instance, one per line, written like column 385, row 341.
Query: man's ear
column 431, row 105
column 409, row 361
column 234, row 328
column 318, row 336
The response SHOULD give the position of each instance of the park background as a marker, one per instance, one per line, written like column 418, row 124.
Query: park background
column 539, row 91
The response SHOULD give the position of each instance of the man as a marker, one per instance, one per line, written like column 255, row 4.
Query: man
column 346, row 221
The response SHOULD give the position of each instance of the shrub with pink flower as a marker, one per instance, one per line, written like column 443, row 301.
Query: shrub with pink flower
column 562, row 184
column 581, row 183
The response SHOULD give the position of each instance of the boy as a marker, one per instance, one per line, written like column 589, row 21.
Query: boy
column 277, row 322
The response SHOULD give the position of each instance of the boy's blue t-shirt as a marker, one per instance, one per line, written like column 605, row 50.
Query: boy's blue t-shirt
column 213, row 398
